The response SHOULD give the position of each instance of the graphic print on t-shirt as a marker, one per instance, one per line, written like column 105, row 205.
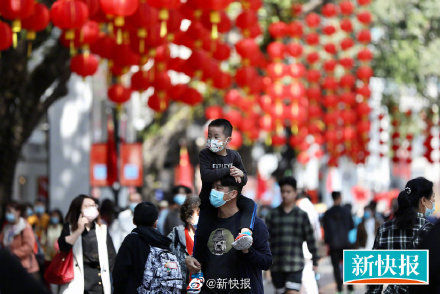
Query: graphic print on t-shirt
column 220, row 241
column 221, row 165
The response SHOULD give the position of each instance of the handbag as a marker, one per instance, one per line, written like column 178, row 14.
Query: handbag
column 60, row 270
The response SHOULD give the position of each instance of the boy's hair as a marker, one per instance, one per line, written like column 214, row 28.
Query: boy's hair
column 288, row 181
column 145, row 214
column 175, row 189
column 229, row 181
column 221, row 122
column 336, row 195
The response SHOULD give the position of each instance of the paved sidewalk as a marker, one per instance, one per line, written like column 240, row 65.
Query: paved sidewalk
column 326, row 283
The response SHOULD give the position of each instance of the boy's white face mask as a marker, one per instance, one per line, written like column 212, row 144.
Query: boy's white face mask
column 215, row 145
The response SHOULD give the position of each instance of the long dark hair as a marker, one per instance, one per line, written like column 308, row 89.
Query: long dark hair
column 408, row 201
column 74, row 212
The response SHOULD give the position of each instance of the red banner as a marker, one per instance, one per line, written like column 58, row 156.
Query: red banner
column 98, row 165
column 131, row 171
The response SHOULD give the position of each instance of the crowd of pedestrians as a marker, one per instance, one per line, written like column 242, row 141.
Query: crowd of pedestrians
column 211, row 243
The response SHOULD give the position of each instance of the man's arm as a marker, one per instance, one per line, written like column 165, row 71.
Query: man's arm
column 259, row 254
column 123, row 267
column 309, row 237
column 207, row 173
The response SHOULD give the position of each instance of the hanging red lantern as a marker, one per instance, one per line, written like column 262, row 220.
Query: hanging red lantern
column 330, row 65
column 69, row 15
column 233, row 97
column 159, row 101
column 278, row 29
column 5, row 36
column 329, row 30
column 88, row 33
column 364, row 72
column 119, row 94
column 84, row 64
column 266, row 123
column 123, row 56
column 191, row 96
column 330, row 48
column 278, row 140
column 348, row 98
column 330, row 83
column 349, row 133
column 347, row 81
column 222, row 81
column 313, row 76
column 296, row 9
column 313, row 20
column 236, row 140
column 234, row 117
column 346, row 7
column 364, row 36
column 347, row 62
column 348, row 116
column 363, row 108
column 347, row 43
column 295, row 49
column 246, row 20
column 312, row 39
column 329, row 10
column 164, row 6
column 37, row 21
column 364, row 17
column 364, row 2
column 175, row 92
column 222, row 51
column 16, row 10
column 297, row 70
column 312, row 57
column 104, row 46
column 213, row 112
column 119, row 9
column 330, row 101
column 346, row 25
column 95, row 11
column 295, row 29
column 247, row 77
column 140, row 81
column 276, row 50
column 365, row 55
column 314, row 93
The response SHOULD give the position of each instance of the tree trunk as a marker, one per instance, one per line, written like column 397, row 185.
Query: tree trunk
column 8, row 161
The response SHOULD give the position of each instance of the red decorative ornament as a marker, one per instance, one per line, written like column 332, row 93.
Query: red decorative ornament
column 364, row 2
column 119, row 94
column 37, row 21
column 84, row 64
column 365, row 55
column 233, row 97
column 140, row 81
column 312, row 57
column 191, row 96
column 364, row 17
column 246, row 20
column 347, row 62
column 164, row 6
column 295, row 49
column 363, row 108
column 295, row 29
column 278, row 29
column 347, row 81
column 347, row 43
column 346, row 7
column 296, row 9
column 313, row 20
column 348, row 98
column 88, row 33
column 297, row 70
column 95, row 12
column 213, row 112
column 5, row 36
column 329, row 10
column 16, row 10
column 331, row 101
column 330, row 65
column 236, row 140
column 68, row 15
column 329, row 30
column 313, row 76
column 330, row 48
column 278, row 140
column 330, row 83
column 364, row 36
column 234, row 117
column 312, row 39
column 276, row 50
column 364, row 72
column 158, row 101
column 346, row 25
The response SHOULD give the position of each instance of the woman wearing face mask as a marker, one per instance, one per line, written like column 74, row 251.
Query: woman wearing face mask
column 92, row 247
column 183, row 236
column 50, row 237
column 18, row 237
column 409, row 225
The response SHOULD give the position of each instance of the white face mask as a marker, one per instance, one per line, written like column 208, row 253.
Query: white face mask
column 195, row 220
column 215, row 145
column 91, row 213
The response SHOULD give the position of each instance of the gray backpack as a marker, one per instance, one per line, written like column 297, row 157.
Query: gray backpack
column 162, row 274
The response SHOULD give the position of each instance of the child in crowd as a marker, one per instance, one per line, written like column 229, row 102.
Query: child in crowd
column 216, row 161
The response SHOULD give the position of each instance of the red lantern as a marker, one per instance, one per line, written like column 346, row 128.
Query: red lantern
column 104, row 46
column 16, row 10
column 313, row 76
column 329, row 30
column 329, row 10
column 266, row 123
column 236, row 140
column 364, row 17
column 312, row 57
column 297, row 70
column 247, row 77
column 140, row 80
column 364, row 36
column 349, row 116
column 278, row 29
column 314, row 93
column 36, row 22
column 158, row 101
column 313, row 20
column 68, row 15
column 164, row 6
column 312, row 39
column 330, row 101
column 5, row 36
column 119, row 94
column 213, row 112
column 295, row 49
column 347, row 81
column 233, row 97
column 364, row 2
column 364, row 72
column 144, row 17
column 278, row 140
column 346, row 25
column 95, row 12
column 222, row 81
column 234, row 117
column 365, row 55
column 348, row 98
column 296, row 9
column 330, row 65
column 295, row 29
column 349, row 133
column 346, row 7
column 347, row 43
column 276, row 50
column 89, row 33
column 191, row 96
column 330, row 83
column 363, row 108
column 330, row 48
column 347, row 62
column 246, row 19
column 84, row 64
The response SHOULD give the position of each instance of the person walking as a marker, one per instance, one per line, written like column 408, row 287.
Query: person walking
column 182, row 237
column 92, row 248
column 408, row 227
column 337, row 222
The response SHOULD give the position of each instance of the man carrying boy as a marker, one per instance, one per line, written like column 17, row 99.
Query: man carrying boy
column 289, row 227
column 216, row 162
column 226, row 269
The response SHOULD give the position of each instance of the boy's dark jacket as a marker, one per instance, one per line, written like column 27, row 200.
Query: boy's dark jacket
column 132, row 256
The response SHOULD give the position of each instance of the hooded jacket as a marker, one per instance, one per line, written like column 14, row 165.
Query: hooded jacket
column 132, row 256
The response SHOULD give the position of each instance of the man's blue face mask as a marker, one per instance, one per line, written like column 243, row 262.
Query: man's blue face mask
column 216, row 198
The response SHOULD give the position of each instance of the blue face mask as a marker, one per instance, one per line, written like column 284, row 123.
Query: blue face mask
column 29, row 212
column 39, row 209
column 430, row 211
column 216, row 198
column 180, row 198
column 367, row 214
column 54, row 220
column 133, row 205
column 10, row 217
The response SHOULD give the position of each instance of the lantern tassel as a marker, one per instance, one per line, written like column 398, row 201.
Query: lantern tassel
column 214, row 32
column 16, row 28
column 163, row 16
column 119, row 37
column 163, row 29
column 29, row 49
column 214, row 17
